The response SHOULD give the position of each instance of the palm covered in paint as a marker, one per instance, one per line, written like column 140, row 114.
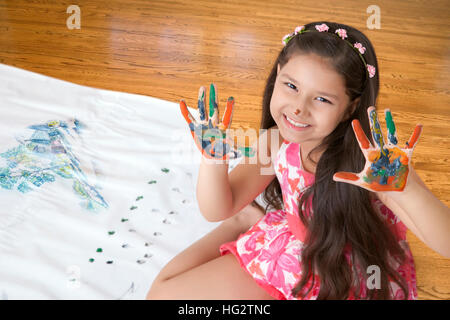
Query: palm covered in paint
column 209, row 135
column 387, row 165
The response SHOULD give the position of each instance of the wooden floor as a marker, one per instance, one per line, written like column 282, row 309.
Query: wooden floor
column 168, row 49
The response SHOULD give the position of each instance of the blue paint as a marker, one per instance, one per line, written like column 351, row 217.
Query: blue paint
column 44, row 156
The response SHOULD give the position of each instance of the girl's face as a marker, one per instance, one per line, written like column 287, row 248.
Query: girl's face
column 309, row 92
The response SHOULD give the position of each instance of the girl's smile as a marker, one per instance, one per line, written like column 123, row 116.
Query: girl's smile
column 292, row 124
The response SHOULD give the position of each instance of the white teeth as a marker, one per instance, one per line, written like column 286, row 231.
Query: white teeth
column 296, row 123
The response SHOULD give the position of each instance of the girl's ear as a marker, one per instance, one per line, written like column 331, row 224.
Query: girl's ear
column 352, row 108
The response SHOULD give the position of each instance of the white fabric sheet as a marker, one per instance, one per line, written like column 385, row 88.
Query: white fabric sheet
column 82, row 169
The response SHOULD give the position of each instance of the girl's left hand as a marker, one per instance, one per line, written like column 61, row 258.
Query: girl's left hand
column 387, row 165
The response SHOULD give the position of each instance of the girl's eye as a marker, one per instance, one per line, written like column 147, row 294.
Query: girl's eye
column 288, row 83
column 325, row 100
column 294, row 88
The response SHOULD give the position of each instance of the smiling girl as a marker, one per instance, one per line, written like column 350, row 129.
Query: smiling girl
column 341, row 198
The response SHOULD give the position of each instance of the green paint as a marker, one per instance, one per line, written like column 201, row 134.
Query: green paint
column 390, row 122
column 111, row 232
column 124, row 220
column 133, row 208
column 99, row 250
column 152, row 182
column 91, row 260
column 165, row 170
column 139, row 198
column 213, row 133
column 247, row 151
column 212, row 100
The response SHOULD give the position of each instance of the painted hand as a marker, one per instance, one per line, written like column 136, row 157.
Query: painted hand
column 209, row 135
column 387, row 166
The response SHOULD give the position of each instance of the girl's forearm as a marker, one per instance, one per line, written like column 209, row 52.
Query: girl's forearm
column 427, row 212
column 214, row 194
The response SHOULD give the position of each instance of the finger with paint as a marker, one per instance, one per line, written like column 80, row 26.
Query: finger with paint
column 387, row 165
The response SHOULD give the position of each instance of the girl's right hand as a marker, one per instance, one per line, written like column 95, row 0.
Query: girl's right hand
column 209, row 135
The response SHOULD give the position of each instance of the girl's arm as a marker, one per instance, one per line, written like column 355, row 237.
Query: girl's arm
column 430, row 216
column 408, row 196
column 214, row 194
column 221, row 195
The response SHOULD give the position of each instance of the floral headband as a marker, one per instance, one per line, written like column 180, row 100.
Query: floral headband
column 342, row 33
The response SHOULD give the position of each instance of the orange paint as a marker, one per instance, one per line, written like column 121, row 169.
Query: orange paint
column 184, row 111
column 228, row 112
column 395, row 152
column 360, row 135
column 414, row 137
column 373, row 155
column 346, row 176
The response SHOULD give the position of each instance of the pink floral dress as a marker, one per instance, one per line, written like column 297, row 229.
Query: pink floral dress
column 269, row 251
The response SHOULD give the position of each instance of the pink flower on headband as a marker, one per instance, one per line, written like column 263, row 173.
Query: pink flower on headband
column 285, row 38
column 371, row 70
column 342, row 33
column 298, row 29
column 360, row 47
column 322, row 27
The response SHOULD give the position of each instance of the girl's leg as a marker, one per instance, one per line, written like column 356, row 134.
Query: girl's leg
column 220, row 278
column 207, row 248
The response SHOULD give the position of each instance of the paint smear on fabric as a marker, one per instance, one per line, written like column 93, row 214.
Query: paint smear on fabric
column 43, row 157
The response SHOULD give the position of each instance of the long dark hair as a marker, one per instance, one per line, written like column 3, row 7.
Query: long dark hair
column 343, row 213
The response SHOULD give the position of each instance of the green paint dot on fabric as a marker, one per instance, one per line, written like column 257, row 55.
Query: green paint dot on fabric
column 139, row 198
column 123, row 220
column 152, row 182
column 111, row 232
column 109, row 262
column 165, row 170
column 99, row 250
column 91, row 260
column 133, row 208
